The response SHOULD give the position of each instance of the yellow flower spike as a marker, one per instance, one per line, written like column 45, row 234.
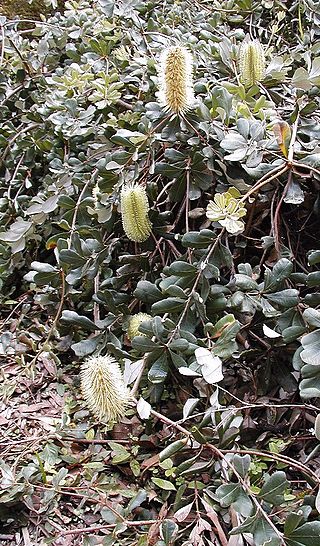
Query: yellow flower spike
column 134, row 211
column 175, row 79
column 103, row 388
column 252, row 62
column 134, row 323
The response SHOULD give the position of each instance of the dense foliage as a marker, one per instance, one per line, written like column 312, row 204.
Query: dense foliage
column 211, row 455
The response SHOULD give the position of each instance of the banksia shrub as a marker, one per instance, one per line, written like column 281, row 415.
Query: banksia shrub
column 103, row 388
column 175, row 79
column 134, row 211
column 134, row 323
column 252, row 62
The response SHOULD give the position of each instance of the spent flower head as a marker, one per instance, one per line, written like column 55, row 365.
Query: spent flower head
column 134, row 211
column 103, row 388
column 227, row 209
column 252, row 63
column 175, row 79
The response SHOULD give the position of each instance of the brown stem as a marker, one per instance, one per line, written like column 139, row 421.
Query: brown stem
column 96, row 528
column 195, row 285
column 276, row 220
column 275, row 173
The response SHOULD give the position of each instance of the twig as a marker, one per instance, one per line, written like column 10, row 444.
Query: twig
column 139, row 523
column 96, row 307
column 221, row 455
column 245, row 404
column 76, row 209
column 293, row 139
column 29, row 127
column 21, row 302
column 277, row 213
column 277, row 457
column 246, row 487
column 2, row 45
column 85, row 441
column 275, row 173
column 56, row 318
column 306, row 166
column 15, row 172
column 196, row 282
column 11, row 93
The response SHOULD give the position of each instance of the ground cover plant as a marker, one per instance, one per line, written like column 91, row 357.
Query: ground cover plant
column 159, row 270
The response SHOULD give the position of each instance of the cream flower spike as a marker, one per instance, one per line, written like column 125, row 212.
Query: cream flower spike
column 175, row 79
column 134, row 211
column 252, row 63
column 103, row 388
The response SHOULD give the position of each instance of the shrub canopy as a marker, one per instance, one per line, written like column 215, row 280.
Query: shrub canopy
column 229, row 275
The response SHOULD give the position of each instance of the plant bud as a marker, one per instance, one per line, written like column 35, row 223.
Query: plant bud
column 134, row 211
column 103, row 388
column 175, row 79
column 134, row 323
column 252, row 62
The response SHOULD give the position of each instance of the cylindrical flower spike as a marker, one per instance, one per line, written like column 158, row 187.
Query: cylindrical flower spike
column 175, row 79
column 103, row 388
column 252, row 62
column 134, row 323
column 134, row 211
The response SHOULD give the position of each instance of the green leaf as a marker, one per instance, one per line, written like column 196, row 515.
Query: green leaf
column 310, row 384
column 228, row 493
column 242, row 464
column 86, row 346
column 172, row 449
column 314, row 257
column 50, row 454
column 16, row 231
column 246, row 527
column 168, row 531
column 198, row 239
column 147, row 292
column 181, row 269
column 281, row 271
column 311, row 348
column 120, row 454
column 159, row 370
column 143, row 344
column 72, row 258
column 222, row 324
column 306, row 535
column 78, row 320
column 286, row 298
column 312, row 317
column 292, row 521
column 313, row 279
column 136, row 501
column 168, row 305
column 300, row 79
column 59, row 478
column 245, row 283
column 164, row 484
column 179, row 345
column 264, row 534
column 274, row 487
column 314, row 74
column 43, row 268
